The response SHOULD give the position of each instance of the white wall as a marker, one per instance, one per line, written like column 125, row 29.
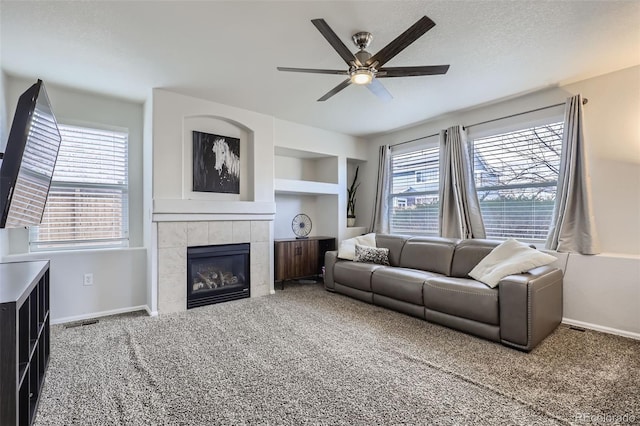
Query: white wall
column 289, row 205
column 119, row 282
column 612, row 134
column 173, row 118
column 149, row 230
column 251, row 212
column 119, row 275
column 328, row 212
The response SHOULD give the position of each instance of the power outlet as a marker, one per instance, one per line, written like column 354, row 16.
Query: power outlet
column 88, row 279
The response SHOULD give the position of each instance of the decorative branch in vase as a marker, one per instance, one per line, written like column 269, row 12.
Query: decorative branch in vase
column 351, row 200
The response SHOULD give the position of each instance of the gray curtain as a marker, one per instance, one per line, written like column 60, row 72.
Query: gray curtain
column 380, row 220
column 573, row 226
column 460, row 215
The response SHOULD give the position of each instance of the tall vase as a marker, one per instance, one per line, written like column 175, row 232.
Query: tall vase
column 351, row 222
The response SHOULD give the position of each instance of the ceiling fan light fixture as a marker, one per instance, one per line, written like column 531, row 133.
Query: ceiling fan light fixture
column 362, row 77
column 364, row 69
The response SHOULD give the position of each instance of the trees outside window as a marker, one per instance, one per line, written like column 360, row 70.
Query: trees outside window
column 516, row 175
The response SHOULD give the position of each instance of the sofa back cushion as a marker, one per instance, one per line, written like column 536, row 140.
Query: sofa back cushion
column 468, row 254
column 394, row 243
column 428, row 254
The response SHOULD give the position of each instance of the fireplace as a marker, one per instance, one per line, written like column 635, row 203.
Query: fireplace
column 217, row 274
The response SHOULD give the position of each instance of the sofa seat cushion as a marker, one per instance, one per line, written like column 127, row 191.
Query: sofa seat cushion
column 354, row 274
column 400, row 283
column 462, row 297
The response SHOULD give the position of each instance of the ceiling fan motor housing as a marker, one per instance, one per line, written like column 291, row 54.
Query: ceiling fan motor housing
column 362, row 39
column 362, row 56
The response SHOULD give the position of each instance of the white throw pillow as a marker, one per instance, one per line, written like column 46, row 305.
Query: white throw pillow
column 347, row 249
column 510, row 257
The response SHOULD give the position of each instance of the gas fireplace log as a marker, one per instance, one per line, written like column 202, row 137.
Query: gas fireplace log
column 208, row 281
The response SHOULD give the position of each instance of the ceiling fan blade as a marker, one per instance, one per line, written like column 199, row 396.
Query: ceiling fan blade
column 335, row 90
column 334, row 41
column 412, row 71
column 314, row 71
column 379, row 90
column 413, row 33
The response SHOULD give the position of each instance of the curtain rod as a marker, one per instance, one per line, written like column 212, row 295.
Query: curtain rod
column 584, row 101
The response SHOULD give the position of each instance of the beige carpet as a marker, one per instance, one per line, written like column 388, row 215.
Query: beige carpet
column 306, row 356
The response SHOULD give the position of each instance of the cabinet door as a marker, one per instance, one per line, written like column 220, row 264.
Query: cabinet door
column 306, row 258
column 296, row 259
column 283, row 255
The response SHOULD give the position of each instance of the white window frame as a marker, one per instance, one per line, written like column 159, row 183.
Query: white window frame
column 400, row 200
column 37, row 245
column 530, row 235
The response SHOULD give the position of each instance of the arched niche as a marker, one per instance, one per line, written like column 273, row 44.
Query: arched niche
column 224, row 127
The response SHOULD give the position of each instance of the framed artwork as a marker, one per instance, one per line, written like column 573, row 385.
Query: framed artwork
column 216, row 163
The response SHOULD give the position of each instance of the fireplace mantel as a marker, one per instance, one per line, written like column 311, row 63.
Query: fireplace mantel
column 171, row 210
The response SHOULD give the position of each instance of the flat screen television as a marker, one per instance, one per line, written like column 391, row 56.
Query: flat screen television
column 28, row 160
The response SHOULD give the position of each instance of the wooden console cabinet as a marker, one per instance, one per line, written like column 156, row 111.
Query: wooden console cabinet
column 24, row 339
column 299, row 258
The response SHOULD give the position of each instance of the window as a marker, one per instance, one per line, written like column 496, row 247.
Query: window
column 414, row 192
column 88, row 203
column 427, row 176
column 516, row 175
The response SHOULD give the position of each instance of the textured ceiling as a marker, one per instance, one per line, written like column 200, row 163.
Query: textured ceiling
column 228, row 52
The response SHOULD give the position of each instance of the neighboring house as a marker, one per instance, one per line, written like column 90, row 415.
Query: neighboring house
column 419, row 179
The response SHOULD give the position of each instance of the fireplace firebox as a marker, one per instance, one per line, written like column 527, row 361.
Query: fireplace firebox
column 217, row 274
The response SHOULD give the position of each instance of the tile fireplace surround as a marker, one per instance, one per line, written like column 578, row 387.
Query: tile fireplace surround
column 175, row 237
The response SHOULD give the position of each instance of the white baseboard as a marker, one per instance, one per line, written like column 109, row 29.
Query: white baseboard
column 150, row 312
column 602, row 328
column 101, row 314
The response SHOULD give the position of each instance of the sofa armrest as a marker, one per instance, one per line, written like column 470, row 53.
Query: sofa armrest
column 330, row 259
column 530, row 306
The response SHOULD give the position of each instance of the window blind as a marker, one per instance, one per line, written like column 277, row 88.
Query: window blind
column 414, row 192
column 516, row 175
column 38, row 159
column 88, row 203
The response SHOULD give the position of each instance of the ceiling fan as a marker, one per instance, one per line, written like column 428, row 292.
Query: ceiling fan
column 365, row 68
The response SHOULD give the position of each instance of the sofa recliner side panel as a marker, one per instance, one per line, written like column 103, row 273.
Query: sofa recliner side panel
column 530, row 306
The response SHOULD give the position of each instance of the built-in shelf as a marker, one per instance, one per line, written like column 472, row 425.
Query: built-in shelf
column 305, row 187
column 305, row 166
column 315, row 183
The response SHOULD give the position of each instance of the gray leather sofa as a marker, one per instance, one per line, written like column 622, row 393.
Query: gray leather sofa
column 428, row 278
